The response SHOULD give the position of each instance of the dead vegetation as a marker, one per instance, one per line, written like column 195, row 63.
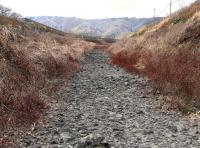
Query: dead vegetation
column 31, row 58
column 168, row 53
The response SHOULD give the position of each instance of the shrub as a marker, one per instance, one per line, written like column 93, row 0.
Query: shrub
column 181, row 70
column 177, row 20
column 175, row 72
column 126, row 60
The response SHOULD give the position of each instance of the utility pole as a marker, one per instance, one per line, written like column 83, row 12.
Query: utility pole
column 170, row 12
column 154, row 13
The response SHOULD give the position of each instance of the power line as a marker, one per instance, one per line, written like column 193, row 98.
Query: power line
column 169, row 6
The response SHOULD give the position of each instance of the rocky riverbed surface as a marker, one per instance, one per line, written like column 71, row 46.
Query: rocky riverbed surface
column 105, row 107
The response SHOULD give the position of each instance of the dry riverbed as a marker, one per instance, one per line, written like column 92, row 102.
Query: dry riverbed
column 105, row 107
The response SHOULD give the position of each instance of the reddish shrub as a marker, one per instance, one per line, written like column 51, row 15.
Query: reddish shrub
column 20, row 111
column 180, row 70
column 66, row 67
column 22, row 79
column 126, row 60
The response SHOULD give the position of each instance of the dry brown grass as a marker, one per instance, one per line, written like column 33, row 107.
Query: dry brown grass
column 30, row 60
column 186, row 13
column 168, row 53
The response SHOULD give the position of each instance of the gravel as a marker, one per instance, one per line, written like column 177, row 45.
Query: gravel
column 105, row 107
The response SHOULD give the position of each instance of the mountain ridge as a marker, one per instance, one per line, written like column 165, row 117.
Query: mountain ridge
column 108, row 27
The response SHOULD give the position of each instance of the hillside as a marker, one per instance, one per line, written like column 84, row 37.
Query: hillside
column 34, row 59
column 167, row 53
column 114, row 27
column 58, row 90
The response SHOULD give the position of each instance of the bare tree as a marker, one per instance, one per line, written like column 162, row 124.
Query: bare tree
column 5, row 11
column 8, row 12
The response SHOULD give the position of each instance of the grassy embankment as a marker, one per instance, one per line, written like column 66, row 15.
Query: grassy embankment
column 168, row 53
column 33, row 58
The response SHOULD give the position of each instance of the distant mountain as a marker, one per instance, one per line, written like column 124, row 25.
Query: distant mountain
column 112, row 27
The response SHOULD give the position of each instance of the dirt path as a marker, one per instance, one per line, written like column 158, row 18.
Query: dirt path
column 106, row 107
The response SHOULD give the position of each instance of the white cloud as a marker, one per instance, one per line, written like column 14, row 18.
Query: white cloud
column 89, row 8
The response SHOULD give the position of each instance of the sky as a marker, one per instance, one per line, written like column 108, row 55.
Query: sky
column 94, row 9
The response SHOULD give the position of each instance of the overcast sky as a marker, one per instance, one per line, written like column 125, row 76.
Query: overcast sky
column 91, row 9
